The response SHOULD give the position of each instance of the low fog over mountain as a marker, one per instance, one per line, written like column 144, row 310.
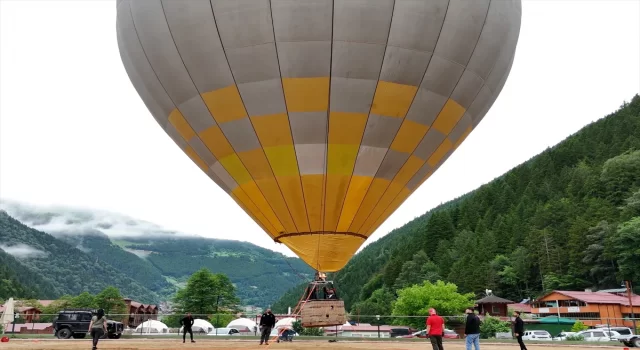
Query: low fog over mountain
column 23, row 251
column 158, row 260
column 59, row 220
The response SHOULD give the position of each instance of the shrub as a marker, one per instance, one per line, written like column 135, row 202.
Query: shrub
column 579, row 326
column 297, row 327
column 575, row 337
column 492, row 325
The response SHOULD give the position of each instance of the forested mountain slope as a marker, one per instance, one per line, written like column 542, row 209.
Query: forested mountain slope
column 568, row 218
column 162, row 260
column 63, row 268
column 18, row 280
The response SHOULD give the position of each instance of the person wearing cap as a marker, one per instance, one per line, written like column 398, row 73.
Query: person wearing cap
column 472, row 330
column 267, row 322
column 435, row 329
column 518, row 329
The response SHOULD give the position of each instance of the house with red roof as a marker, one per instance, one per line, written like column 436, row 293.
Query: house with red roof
column 523, row 308
column 27, row 313
column 592, row 308
column 138, row 313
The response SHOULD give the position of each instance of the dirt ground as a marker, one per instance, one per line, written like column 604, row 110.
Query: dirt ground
column 171, row 344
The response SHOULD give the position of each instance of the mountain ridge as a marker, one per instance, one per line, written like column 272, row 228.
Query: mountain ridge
column 161, row 259
column 554, row 221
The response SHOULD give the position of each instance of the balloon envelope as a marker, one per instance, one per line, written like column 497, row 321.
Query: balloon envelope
column 318, row 117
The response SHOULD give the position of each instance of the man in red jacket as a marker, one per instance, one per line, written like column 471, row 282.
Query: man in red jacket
column 435, row 329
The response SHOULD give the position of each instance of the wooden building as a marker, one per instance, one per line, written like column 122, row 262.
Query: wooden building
column 493, row 306
column 137, row 313
column 28, row 314
column 525, row 309
column 592, row 308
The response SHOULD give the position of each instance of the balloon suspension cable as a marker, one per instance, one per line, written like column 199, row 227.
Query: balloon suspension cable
column 302, row 277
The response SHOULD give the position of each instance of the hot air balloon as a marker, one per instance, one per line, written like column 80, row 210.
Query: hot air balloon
column 318, row 117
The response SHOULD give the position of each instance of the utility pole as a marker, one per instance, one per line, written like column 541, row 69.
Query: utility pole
column 378, row 322
column 633, row 317
column 13, row 330
column 217, row 316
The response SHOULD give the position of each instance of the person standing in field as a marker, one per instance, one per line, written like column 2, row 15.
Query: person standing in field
column 435, row 329
column 472, row 330
column 187, row 323
column 98, row 327
column 267, row 322
column 518, row 329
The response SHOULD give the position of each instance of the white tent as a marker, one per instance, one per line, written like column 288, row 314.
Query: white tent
column 7, row 315
column 200, row 325
column 285, row 323
column 242, row 324
column 152, row 326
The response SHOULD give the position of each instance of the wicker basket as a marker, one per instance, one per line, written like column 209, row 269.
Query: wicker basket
column 323, row 313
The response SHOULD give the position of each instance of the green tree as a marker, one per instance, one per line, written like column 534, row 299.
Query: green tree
column 84, row 300
column 111, row 301
column 620, row 174
column 492, row 325
column 297, row 327
column 626, row 244
column 579, row 326
column 417, row 270
column 222, row 319
column 603, row 268
column 416, row 301
column 379, row 303
column 376, row 282
column 50, row 311
column 632, row 207
column 204, row 291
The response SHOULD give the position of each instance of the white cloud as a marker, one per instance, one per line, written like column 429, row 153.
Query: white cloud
column 64, row 220
column 23, row 251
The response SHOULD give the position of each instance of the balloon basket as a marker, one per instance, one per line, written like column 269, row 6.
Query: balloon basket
column 323, row 313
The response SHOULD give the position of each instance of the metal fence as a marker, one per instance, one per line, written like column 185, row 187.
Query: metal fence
column 364, row 326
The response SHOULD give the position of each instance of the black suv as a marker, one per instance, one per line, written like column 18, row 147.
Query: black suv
column 75, row 323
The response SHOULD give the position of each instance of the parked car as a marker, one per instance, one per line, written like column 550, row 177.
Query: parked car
column 399, row 332
column 563, row 335
column 626, row 335
column 630, row 340
column 599, row 335
column 448, row 334
column 224, row 332
column 537, row 335
column 620, row 330
column 75, row 323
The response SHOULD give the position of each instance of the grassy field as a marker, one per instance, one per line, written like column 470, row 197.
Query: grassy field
column 245, row 343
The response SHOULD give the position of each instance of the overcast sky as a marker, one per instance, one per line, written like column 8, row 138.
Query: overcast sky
column 74, row 132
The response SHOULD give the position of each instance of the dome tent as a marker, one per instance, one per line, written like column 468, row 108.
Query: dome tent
column 200, row 325
column 282, row 325
column 152, row 326
column 285, row 323
column 243, row 325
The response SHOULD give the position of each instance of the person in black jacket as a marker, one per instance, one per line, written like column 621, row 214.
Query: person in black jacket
column 518, row 329
column 267, row 322
column 472, row 330
column 187, row 322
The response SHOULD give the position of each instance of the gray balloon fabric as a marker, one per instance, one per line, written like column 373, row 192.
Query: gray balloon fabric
column 318, row 117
